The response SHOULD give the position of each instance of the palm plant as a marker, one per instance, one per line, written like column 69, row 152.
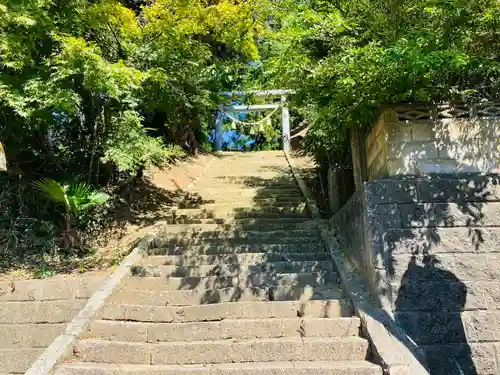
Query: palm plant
column 75, row 198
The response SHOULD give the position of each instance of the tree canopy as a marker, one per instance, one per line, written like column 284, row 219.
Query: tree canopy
column 346, row 58
column 89, row 76
column 81, row 80
column 92, row 92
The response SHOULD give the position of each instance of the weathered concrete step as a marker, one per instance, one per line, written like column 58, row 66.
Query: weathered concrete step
column 216, row 249
column 259, row 280
column 57, row 288
column 18, row 360
column 242, row 206
column 209, row 232
column 249, row 200
column 244, row 258
column 196, row 213
column 238, row 229
column 251, row 183
column 228, row 269
column 39, row 311
column 210, row 296
column 250, row 168
column 172, row 241
column 226, row 329
column 257, row 200
column 241, row 213
column 244, row 203
column 228, row 191
column 259, row 187
column 248, row 224
column 224, row 351
column 29, row 335
column 235, row 191
column 247, row 196
column 253, row 368
column 235, row 310
column 249, row 173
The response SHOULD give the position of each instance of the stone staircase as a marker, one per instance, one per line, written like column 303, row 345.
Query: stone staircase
column 239, row 283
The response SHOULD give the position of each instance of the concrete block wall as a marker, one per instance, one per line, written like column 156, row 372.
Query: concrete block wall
column 421, row 140
column 429, row 247
column 34, row 312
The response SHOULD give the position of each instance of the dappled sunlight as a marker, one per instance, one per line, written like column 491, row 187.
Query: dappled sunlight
column 254, row 238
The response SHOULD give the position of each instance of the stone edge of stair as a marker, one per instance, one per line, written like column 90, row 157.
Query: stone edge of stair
column 392, row 349
column 62, row 346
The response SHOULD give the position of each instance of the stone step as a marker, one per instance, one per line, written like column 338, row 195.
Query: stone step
column 195, row 213
column 249, row 173
column 217, row 249
column 258, row 188
column 246, row 224
column 239, row 228
column 241, row 202
column 251, row 368
column 222, row 330
column 249, row 168
column 258, row 280
column 214, row 232
column 238, row 212
column 227, row 191
column 246, row 199
column 39, row 311
column 57, row 288
column 228, row 269
column 185, row 241
column 236, row 294
column 257, row 200
column 244, row 258
column 18, row 360
column 259, row 192
column 242, row 206
column 249, row 183
column 29, row 335
column 235, row 310
column 223, row 351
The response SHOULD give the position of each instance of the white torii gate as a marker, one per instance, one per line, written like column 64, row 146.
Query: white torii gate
column 285, row 115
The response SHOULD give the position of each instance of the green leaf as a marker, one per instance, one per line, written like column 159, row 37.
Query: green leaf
column 53, row 190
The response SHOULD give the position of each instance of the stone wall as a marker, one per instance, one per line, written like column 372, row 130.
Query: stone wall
column 447, row 139
column 34, row 312
column 429, row 247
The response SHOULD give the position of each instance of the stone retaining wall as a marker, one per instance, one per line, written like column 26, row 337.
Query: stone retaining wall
column 429, row 247
column 34, row 312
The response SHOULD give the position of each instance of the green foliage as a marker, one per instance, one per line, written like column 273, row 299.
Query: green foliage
column 346, row 58
column 130, row 149
column 73, row 197
column 73, row 73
